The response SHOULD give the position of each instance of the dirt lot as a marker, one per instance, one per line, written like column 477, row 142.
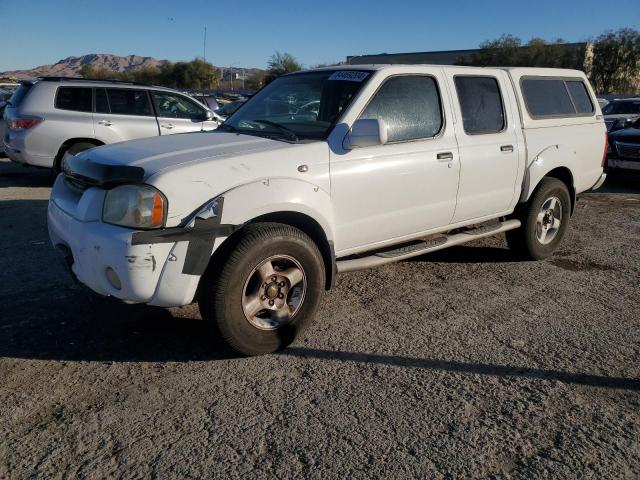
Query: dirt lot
column 464, row 363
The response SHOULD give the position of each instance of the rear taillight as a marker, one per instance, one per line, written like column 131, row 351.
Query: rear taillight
column 606, row 150
column 23, row 123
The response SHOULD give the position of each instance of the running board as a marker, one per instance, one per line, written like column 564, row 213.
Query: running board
column 425, row 246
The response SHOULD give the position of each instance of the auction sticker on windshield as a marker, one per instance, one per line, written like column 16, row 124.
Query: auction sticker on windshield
column 349, row 76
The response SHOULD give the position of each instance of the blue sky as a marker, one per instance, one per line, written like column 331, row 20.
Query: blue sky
column 246, row 33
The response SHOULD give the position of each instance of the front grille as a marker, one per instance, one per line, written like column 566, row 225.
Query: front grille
column 75, row 185
column 628, row 150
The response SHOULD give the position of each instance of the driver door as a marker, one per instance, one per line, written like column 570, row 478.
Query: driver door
column 385, row 193
column 178, row 114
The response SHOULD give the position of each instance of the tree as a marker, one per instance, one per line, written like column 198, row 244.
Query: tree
column 196, row 74
column 509, row 51
column 256, row 80
column 281, row 64
column 615, row 66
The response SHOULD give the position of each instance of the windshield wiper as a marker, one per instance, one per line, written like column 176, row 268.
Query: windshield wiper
column 290, row 133
column 227, row 127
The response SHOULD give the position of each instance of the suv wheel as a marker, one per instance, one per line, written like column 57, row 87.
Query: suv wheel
column 72, row 151
column 545, row 219
column 268, row 289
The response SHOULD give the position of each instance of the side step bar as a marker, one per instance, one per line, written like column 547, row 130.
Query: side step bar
column 425, row 246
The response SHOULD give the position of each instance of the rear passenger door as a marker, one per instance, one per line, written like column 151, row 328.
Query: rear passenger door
column 488, row 137
column 123, row 114
column 178, row 114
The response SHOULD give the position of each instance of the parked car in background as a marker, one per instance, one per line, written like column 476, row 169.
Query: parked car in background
column 257, row 217
column 53, row 117
column 602, row 102
column 209, row 101
column 621, row 112
column 228, row 109
column 624, row 148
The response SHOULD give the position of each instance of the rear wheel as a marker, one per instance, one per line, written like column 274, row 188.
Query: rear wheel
column 268, row 289
column 545, row 219
column 72, row 151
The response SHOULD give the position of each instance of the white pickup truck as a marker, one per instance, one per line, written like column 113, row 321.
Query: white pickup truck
column 328, row 171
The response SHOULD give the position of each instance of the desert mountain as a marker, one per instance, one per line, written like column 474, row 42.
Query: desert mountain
column 70, row 66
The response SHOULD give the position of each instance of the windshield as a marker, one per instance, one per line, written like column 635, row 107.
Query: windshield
column 622, row 108
column 299, row 106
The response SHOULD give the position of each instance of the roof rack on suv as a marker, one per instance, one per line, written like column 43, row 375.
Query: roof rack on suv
column 79, row 79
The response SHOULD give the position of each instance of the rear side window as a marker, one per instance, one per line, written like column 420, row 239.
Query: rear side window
column 409, row 106
column 74, row 98
column 125, row 101
column 481, row 104
column 556, row 97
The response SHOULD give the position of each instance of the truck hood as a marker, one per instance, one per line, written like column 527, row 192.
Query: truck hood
column 159, row 153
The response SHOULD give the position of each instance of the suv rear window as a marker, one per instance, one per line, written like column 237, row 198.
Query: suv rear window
column 126, row 101
column 556, row 97
column 74, row 98
column 481, row 104
column 19, row 94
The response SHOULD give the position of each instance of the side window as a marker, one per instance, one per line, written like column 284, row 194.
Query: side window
column 481, row 104
column 169, row 105
column 102, row 104
column 126, row 101
column 580, row 96
column 74, row 98
column 556, row 97
column 409, row 106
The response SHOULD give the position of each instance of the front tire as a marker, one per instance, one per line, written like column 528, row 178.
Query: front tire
column 544, row 218
column 268, row 289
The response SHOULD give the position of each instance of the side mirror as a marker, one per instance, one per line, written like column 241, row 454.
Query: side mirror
column 208, row 115
column 366, row 132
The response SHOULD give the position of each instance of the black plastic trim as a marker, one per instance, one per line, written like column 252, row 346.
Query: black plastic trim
column 99, row 174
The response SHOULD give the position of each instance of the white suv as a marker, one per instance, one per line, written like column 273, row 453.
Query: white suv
column 254, row 219
column 55, row 116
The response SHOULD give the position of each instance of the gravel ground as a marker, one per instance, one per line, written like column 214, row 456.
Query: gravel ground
column 464, row 363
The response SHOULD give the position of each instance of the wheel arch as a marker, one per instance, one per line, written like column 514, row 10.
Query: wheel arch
column 67, row 144
column 563, row 174
column 301, row 221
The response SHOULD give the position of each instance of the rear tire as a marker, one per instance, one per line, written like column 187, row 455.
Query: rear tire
column 267, row 291
column 545, row 218
column 72, row 151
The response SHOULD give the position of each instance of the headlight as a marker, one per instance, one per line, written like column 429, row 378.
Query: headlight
column 135, row 206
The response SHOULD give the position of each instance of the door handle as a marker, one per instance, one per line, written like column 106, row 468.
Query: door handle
column 506, row 148
column 445, row 156
column 106, row 123
column 168, row 126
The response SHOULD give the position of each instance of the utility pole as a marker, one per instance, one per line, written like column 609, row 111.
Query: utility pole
column 204, row 45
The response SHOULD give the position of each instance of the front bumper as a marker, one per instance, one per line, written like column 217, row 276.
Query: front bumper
column 147, row 273
column 622, row 164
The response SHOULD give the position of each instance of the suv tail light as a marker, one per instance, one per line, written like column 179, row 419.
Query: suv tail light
column 606, row 150
column 23, row 123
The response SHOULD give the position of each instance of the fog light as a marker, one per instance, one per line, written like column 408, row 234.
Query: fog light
column 113, row 278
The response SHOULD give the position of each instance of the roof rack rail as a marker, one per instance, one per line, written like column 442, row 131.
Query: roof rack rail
column 80, row 79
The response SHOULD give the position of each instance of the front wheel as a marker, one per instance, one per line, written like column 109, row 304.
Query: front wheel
column 268, row 289
column 545, row 219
